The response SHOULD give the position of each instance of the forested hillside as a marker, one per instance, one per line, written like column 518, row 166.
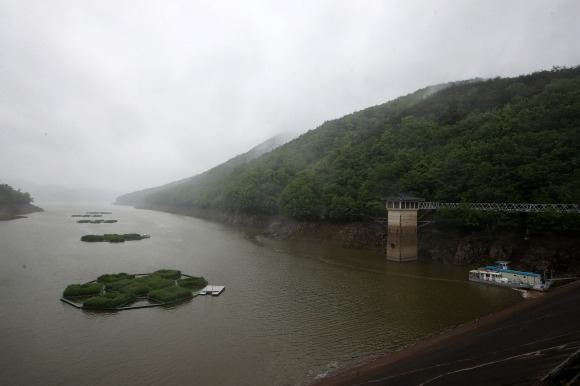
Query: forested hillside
column 14, row 202
column 497, row 140
column 9, row 196
column 139, row 198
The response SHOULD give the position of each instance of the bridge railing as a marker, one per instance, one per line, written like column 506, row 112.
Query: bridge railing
column 558, row 208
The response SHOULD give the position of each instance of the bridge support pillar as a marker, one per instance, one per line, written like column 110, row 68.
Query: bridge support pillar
column 402, row 240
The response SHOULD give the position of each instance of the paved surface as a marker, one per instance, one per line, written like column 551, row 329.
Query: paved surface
column 517, row 346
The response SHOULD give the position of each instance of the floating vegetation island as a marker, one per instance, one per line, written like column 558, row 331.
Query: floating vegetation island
column 94, row 214
column 96, row 221
column 114, row 238
column 123, row 291
column 91, row 214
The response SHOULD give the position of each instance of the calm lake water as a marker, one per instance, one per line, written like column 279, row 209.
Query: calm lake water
column 291, row 313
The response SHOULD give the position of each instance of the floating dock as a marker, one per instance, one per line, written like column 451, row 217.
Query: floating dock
column 214, row 290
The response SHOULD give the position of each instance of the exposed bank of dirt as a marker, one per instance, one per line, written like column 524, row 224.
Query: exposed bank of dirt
column 359, row 235
column 436, row 242
column 10, row 212
column 537, row 253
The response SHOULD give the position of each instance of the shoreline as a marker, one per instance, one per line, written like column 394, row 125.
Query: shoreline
column 439, row 351
column 17, row 211
column 445, row 244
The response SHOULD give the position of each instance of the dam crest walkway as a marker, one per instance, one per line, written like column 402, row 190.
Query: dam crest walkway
column 557, row 208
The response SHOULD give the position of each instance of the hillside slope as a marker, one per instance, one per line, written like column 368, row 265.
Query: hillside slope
column 497, row 140
column 14, row 203
column 139, row 198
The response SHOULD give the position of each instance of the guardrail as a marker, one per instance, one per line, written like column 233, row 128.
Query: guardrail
column 558, row 208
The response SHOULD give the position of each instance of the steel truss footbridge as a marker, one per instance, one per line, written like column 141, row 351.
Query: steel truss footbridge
column 557, row 208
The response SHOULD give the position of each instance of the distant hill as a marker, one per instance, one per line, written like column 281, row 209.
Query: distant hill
column 139, row 198
column 495, row 140
column 51, row 193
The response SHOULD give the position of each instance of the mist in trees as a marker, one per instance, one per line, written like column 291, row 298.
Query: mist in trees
column 496, row 140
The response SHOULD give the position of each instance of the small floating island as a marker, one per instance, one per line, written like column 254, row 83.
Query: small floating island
column 114, row 238
column 121, row 291
column 91, row 214
column 96, row 221
column 94, row 214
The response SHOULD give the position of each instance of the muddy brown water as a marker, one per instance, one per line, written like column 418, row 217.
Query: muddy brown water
column 291, row 313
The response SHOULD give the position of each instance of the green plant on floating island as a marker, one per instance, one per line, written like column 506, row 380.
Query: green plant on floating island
column 133, row 289
column 192, row 282
column 117, row 291
column 171, row 274
column 110, row 278
column 83, row 289
column 169, row 294
column 108, row 300
column 156, row 282
column 113, row 238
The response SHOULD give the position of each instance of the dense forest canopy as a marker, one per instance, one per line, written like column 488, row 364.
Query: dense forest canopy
column 497, row 140
column 9, row 196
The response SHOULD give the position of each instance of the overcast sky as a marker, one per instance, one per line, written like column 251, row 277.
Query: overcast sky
column 125, row 95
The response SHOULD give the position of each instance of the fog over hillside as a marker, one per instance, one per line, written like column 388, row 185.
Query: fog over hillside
column 43, row 194
column 121, row 96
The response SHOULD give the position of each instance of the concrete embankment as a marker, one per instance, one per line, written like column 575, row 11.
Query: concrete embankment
column 535, row 342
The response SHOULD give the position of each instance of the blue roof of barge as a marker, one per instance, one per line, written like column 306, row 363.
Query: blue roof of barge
column 493, row 267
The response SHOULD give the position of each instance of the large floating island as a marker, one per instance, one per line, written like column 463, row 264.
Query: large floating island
column 123, row 291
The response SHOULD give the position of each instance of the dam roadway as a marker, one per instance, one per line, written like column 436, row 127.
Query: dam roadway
column 519, row 345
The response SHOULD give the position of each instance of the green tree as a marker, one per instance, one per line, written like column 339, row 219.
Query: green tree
column 299, row 198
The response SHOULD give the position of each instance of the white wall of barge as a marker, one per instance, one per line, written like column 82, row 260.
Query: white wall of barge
column 511, row 276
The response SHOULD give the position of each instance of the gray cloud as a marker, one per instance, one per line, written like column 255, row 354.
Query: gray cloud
column 132, row 94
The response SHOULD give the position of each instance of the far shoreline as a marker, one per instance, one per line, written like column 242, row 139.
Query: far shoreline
column 446, row 244
column 14, row 212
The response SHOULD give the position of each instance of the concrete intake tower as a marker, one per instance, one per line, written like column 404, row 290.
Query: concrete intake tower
column 402, row 241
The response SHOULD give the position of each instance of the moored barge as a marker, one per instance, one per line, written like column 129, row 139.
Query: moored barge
column 501, row 275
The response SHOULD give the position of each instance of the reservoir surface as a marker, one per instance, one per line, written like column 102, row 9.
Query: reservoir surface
column 291, row 312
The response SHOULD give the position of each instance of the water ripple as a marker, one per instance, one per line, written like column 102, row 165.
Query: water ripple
column 291, row 313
